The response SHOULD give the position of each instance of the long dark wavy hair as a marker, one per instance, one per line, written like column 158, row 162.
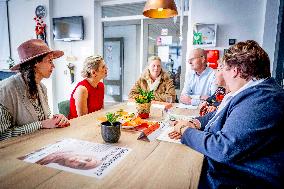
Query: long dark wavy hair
column 27, row 70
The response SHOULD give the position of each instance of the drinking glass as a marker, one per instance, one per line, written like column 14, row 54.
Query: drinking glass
column 169, row 99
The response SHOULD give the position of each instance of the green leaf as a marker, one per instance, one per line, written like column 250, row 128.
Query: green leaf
column 112, row 117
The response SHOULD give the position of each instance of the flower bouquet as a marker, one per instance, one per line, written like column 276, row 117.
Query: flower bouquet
column 143, row 103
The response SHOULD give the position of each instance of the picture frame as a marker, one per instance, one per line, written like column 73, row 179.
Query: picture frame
column 204, row 35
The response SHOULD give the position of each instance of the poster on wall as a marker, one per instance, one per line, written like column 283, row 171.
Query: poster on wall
column 204, row 35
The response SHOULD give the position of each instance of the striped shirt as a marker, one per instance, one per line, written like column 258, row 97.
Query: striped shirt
column 8, row 130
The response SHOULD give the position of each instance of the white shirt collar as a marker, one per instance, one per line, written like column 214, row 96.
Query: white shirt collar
column 249, row 84
column 230, row 95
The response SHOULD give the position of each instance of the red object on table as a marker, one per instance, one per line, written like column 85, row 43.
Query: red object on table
column 143, row 115
column 212, row 58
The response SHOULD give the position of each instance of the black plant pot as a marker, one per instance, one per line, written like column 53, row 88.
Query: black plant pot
column 110, row 133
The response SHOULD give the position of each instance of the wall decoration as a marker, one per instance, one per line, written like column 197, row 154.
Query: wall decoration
column 40, row 28
column 40, row 11
column 204, row 35
column 212, row 58
column 71, row 68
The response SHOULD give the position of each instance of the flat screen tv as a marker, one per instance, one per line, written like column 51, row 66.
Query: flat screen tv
column 68, row 28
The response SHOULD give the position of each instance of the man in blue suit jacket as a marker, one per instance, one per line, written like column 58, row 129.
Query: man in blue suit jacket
column 243, row 141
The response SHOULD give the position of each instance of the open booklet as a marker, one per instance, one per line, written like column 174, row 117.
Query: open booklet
column 78, row 156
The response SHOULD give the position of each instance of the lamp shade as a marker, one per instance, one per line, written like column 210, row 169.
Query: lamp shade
column 160, row 9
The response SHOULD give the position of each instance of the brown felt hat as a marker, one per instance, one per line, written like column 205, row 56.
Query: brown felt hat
column 34, row 48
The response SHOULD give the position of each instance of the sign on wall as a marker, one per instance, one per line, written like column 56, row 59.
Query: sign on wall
column 204, row 35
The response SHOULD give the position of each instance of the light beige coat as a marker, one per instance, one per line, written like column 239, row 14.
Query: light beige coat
column 165, row 89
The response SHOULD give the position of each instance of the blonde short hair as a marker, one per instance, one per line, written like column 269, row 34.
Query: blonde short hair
column 91, row 63
column 152, row 58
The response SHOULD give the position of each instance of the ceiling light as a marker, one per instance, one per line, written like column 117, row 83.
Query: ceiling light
column 160, row 9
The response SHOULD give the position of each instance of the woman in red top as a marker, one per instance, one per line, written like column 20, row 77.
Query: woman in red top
column 88, row 95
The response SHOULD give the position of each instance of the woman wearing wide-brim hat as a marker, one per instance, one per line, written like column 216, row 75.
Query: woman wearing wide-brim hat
column 23, row 98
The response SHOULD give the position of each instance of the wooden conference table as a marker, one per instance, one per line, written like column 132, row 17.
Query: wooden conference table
column 153, row 164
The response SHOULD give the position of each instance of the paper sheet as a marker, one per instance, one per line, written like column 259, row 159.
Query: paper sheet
column 78, row 156
column 191, row 107
column 164, row 136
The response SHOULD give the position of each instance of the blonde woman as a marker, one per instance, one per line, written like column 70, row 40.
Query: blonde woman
column 88, row 95
column 154, row 78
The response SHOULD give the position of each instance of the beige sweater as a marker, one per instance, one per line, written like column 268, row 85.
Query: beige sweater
column 14, row 96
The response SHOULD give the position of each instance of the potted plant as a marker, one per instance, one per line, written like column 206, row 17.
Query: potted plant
column 110, row 129
column 143, row 103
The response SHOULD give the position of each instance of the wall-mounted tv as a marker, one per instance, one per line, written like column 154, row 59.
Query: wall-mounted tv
column 68, row 28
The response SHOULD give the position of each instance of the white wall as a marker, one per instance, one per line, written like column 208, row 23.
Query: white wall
column 236, row 19
column 22, row 28
column 79, row 49
column 131, row 60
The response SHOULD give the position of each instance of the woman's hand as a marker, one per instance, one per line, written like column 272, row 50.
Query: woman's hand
column 49, row 123
column 181, row 126
column 203, row 108
column 175, row 135
column 61, row 120
column 58, row 120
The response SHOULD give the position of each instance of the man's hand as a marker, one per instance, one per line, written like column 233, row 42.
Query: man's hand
column 185, row 99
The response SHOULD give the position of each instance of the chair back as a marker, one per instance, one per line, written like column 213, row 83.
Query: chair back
column 64, row 107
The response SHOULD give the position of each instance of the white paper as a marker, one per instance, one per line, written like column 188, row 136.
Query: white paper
column 163, row 53
column 166, row 40
column 164, row 136
column 177, row 117
column 191, row 107
column 81, row 154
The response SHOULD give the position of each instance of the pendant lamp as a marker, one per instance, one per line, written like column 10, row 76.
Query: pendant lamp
column 160, row 9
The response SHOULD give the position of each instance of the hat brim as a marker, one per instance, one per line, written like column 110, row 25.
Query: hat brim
column 56, row 54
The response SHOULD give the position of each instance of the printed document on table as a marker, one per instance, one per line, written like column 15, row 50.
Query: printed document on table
column 164, row 136
column 185, row 106
column 78, row 156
